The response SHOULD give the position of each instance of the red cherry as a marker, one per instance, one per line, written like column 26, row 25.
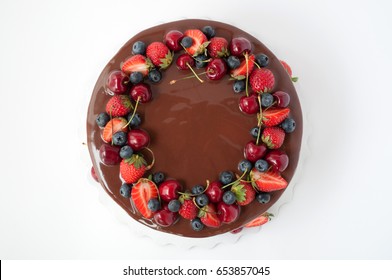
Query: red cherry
column 94, row 174
column 281, row 98
column 227, row 213
column 172, row 40
column 253, row 152
column 168, row 190
column 240, row 45
column 215, row 192
column 143, row 91
column 117, row 82
column 165, row 217
column 278, row 160
column 216, row 69
column 184, row 60
column 249, row 104
column 110, row 155
column 138, row 139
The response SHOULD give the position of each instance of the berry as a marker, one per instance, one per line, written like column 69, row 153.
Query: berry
column 197, row 225
column 174, row 205
column 239, row 46
column 216, row 69
column 135, row 121
column 188, row 210
column 94, row 174
column 267, row 99
column 186, row 42
column 263, row 197
column 102, row 119
column 113, row 126
column 262, row 165
column 155, row 76
column 244, row 193
column 138, row 139
column 154, row 204
column 268, row 181
column 119, row 138
column 288, row 70
column 228, row 197
column 133, row 168
column 239, row 86
column 288, row 125
column 281, row 98
column 125, row 190
column 226, row 177
column 273, row 137
column 142, row 92
column 159, row 54
column 117, row 82
column 262, row 80
column 274, row 116
column 233, row 62
column 201, row 200
column 184, row 61
column 168, row 190
column 109, row 154
column 142, row 192
column 165, row 217
column 254, row 132
column 253, row 152
column 137, row 63
column 244, row 166
column 242, row 71
column 198, row 189
column 126, row 152
column 139, row 47
column 278, row 160
column 199, row 42
column 261, row 60
column 208, row 216
column 249, row 104
column 201, row 61
column 218, row 47
column 209, row 31
column 261, row 220
column 172, row 40
column 136, row 77
column 158, row 177
column 118, row 106
column 228, row 213
column 214, row 192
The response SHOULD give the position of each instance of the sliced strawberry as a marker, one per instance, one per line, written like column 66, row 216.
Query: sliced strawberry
column 113, row 126
column 199, row 44
column 137, row 63
column 267, row 181
column 208, row 216
column 142, row 192
column 261, row 220
column 240, row 73
column 273, row 137
column 274, row 116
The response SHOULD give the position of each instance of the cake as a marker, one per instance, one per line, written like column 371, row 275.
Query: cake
column 194, row 128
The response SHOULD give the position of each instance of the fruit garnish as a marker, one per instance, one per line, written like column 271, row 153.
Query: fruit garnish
column 113, row 126
column 142, row 192
column 274, row 116
column 287, row 67
column 159, row 54
column 172, row 40
column 188, row 209
column 199, row 42
column 245, row 68
column 133, row 168
column 228, row 213
column 267, row 181
column 216, row 69
column 218, row 47
column 109, row 154
column 273, row 137
column 262, row 80
column 138, row 139
column 261, row 220
column 240, row 46
column 208, row 216
column 117, row 82
column 137, row 63
column 118, row 106
column 169, row 190
column 243, row 192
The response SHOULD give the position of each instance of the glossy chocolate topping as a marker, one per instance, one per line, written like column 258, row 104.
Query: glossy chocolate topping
column 197, row 130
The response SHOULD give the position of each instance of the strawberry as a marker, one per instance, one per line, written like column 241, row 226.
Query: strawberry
column 267, row 181
column 288, row 70
column 244, row 192
column 133, row 168
column 119, row 106
column 113, row 126
column 137, row 63
column 199, row 44
column 188, row 209
column 218, row 47
column 240, row 73
column 273, row 137
column 261, row 220
column 143, row 191
column 208, row 216
column 262, row 80
column 274, row 116
column 159, row 54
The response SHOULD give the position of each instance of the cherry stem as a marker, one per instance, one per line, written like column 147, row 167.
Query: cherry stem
column 260, row 121
column 189, row 77
column 134, row 112
column 148, row 167
column 232, row 183
column 194, row 73
column 247, row 73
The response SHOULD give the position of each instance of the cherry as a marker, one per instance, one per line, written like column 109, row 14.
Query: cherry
column 253, row 152
column 117, row 82
column 278, row 160
column 110, row 155
column 94, row 174
column 184, row 61
column 249, row 104
column 216, row 69
column 143, row 91
column 172, row 40
column 228, row 213
column 169, row 189
column 215, row 192
column 281, row 98
column 240, row 45
column 138, row 139
column 165, row 217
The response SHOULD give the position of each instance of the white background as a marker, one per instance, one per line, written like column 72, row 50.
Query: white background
column 51, row 54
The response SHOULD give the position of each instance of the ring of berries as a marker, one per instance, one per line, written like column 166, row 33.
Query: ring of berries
column 126, row 143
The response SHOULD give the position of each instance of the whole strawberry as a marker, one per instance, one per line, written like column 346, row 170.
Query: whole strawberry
column 273, row 137
column 218, row 47
column 159, row 54
column 137, row 63
column 133, row 168
column 119, row 106
column 262, row 80
column 188, row 209
column 244, row 193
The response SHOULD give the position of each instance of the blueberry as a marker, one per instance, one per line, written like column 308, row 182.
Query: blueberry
column 263, row 198
column 209, row 31
column 139, row 47
column 125, row 190
column 267, row 99
column 136, row 77
column 136, row 120
column 201, row 61
column 198, row 189
column 153, row 204
column 244, row 166
column 254, row 131
column 288, row 125
column 119, row 138
column 261, row 59
column 239, row 86
column 158, row 177
column 102, row 119
column 197, row 225
column 226, row 177
column 174, row 205
column 154, row 76
column 202, row 200
column 187, row 42
column 262, row 165
column 233, row 62
column 126, row 152
column 229, row 197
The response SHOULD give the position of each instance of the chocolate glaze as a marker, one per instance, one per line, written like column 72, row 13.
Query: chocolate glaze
column 197, row 130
